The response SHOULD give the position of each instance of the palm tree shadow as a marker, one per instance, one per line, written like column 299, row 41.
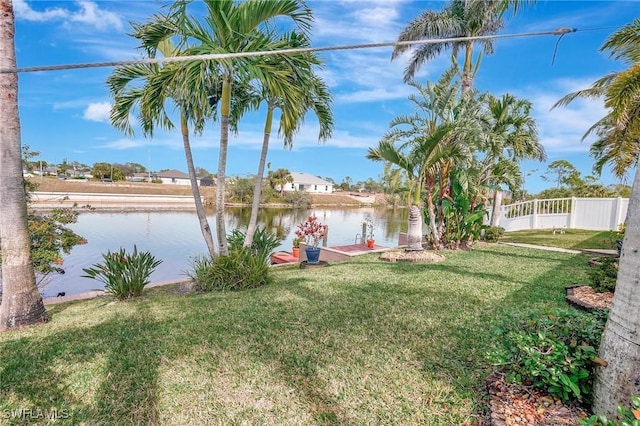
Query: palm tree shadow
column 36, row 373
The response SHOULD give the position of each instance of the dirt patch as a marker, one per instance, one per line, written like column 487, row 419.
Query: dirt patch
column 586, row 298
column 513, row 405
column 411, row 256
column 49, row 184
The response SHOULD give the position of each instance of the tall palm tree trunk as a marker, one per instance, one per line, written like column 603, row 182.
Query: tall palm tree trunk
column 21, row 301
column 467, row 74
column 257, row 191
column 620, row 346
column 414, row 231
column 225, row 106
column 202, row 214
column 495, row 208
column 431, row 210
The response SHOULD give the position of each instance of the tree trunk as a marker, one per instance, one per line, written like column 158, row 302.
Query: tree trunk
column 257, row 191
column 495, row 208
column 414, row 233
column 202, row 214
column 620, row 346
column 225, row 106
column 467, row 75
column 435, row 235
column 21, row 301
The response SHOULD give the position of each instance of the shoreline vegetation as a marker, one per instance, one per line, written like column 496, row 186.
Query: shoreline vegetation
column 177, row 193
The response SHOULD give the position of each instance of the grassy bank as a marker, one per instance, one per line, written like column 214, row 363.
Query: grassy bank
column 52, row 184
column 363, row 342
column 576, row 239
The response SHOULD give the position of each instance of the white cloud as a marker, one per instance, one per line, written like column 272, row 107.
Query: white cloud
column 98, row 111
column 24, row 11
column 122, row 144
column 88, row 13
column 562, row 128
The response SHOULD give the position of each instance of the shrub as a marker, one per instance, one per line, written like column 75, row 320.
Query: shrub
column 239, row 270
column 298, row 199
column 124, row 275
column 603, row 276
column 263, row 245
column 243, row 268
column 552, row 351
column 493, row 233
column 626, row 416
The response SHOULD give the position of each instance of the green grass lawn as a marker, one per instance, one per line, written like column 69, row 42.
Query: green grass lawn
column 358, row 343
column 571, row 239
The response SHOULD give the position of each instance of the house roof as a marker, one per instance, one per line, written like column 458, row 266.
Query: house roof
column 307, row 179
column 173, row 174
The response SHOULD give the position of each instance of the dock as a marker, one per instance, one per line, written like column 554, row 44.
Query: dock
column 333, row 254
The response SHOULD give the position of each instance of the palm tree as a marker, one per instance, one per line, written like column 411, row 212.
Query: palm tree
column 461, row 18
column 425, row 145
column 615, row 147
column 619, row 378
column 230, row 27
column 21, row 303
column 510, row 133
column 160, row 84
column 310, row 93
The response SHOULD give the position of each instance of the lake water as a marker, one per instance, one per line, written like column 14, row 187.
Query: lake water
column 175, row 237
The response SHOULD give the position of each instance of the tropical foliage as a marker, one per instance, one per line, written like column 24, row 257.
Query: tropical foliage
column 123, row 274
column 553, row 351
column 147, row 88
column 459, row 18
column 233, row 27
column 457, row 149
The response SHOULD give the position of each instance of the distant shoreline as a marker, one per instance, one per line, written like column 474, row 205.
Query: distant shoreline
column 101, row 202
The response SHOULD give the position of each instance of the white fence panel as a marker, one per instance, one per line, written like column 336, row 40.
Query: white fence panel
column 596, row 214
column 549, row 221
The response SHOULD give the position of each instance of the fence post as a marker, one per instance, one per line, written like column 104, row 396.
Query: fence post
column 618, row 215
column 534, row 216
column 572, row 214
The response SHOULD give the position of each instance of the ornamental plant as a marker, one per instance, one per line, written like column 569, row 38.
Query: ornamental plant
column 311, row 231
column 368, row 222
column 124, row 275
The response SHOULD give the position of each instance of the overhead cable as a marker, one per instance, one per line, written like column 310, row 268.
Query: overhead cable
column 216, row 56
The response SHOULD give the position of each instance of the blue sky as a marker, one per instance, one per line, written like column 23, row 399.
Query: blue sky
column 64, row 114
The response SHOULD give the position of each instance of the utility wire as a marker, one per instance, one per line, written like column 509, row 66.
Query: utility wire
column 215, row 56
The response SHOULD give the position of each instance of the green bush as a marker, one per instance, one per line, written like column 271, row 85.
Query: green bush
column 553, row 351
column 604, row 275
column 124, row 275
column 240, row 270
column 298, row 199
column 263, row 245
column 626, row 416
column 493, row 233
column 243, row 268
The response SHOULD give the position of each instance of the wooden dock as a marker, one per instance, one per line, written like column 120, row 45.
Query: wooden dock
column 333, row 254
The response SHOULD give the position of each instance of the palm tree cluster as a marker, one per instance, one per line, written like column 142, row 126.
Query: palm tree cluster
column 223, row 90
column 456, row 149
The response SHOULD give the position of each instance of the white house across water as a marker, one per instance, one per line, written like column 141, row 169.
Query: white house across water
column 308, row 183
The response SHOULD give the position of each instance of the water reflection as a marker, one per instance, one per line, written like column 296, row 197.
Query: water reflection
column 175, row 237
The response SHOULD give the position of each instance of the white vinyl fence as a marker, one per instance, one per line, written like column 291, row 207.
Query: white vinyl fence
column 599, row 214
